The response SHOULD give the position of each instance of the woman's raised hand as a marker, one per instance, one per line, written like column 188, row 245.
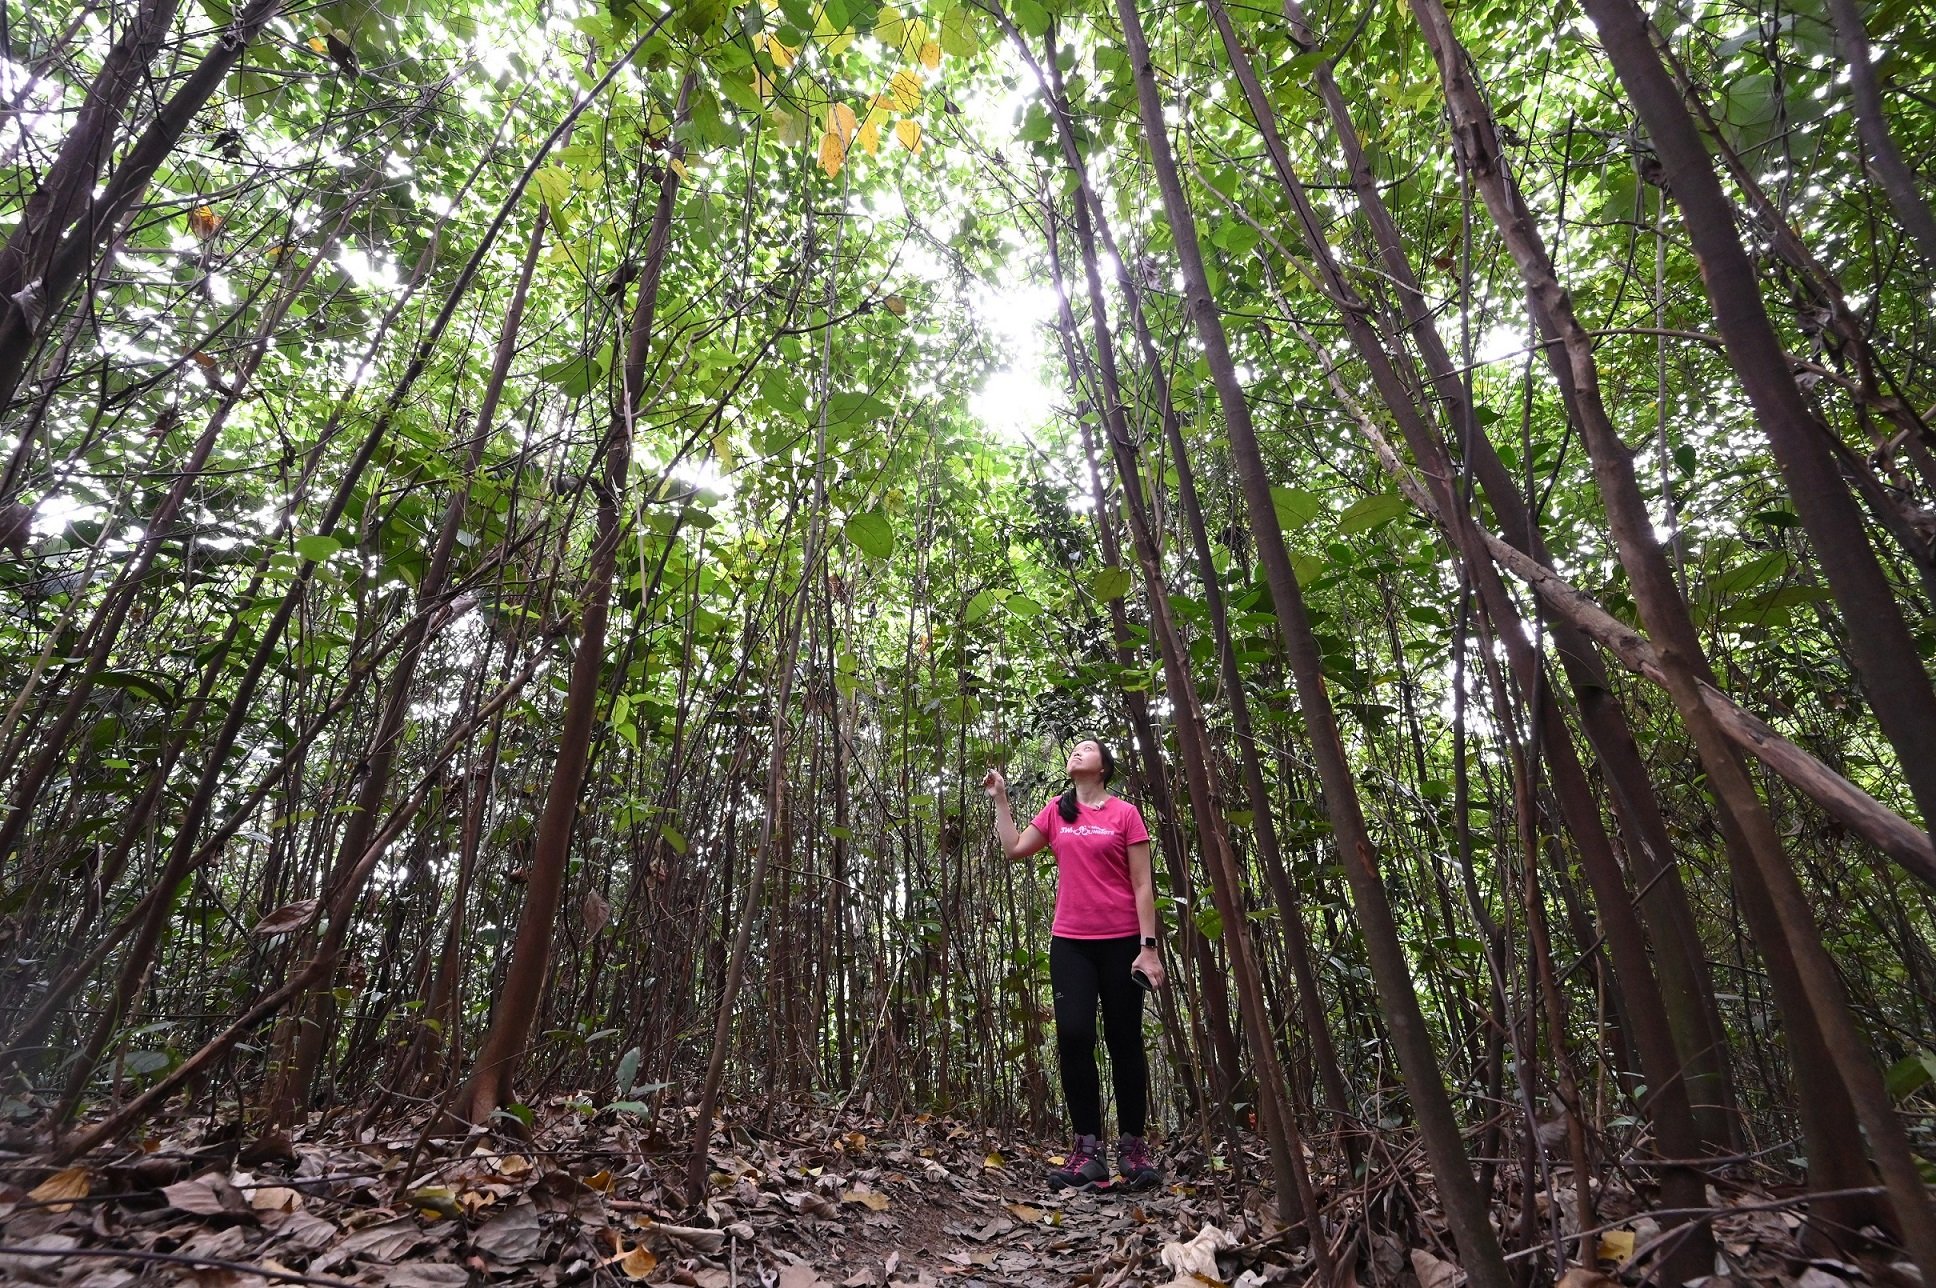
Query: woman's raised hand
column 994, row 784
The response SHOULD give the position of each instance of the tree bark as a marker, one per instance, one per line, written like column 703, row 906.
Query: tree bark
column 1466, row 1208
column 489, row 1087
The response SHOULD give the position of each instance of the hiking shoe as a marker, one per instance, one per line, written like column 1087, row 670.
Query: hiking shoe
column 1133, row 1161
column 1084, row 1170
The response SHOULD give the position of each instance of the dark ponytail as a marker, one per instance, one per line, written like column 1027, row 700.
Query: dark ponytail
column 1065, row 804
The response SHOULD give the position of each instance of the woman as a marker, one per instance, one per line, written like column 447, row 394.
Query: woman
column 1104, row 938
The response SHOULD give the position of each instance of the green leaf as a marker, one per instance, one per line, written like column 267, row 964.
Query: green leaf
column 1022, row 608
column 1032, row 18
column 146, row 1062
column 873, row 532
column 1368, row 513
column 674, row 838
column 1756, row 572
column 1209, row 921
column 960, row 30
column 856, row 406
column 1295, row 507
column 1112, row 583
column 573, row 375
column 628, row 1070
column 554, row 185
column 1911, row 1074
column 152, row 687
column 317, row 548
column 981, row 606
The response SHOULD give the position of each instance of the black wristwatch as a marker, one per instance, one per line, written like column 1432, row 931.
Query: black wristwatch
column 1149, row 941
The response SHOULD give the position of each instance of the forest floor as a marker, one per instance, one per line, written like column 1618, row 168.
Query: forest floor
column 796, row 1203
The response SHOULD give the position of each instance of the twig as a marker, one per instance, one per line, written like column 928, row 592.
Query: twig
column 1701, row 1216
column 176, row 1258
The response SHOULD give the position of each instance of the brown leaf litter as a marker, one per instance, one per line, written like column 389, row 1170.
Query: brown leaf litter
column 917, row 1203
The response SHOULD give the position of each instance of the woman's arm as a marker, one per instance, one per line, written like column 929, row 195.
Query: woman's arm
column 1014, row 846
column 1148, row 960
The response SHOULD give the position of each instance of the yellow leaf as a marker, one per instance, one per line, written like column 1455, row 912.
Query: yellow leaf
column 59, row 1190
column 844, row 123
column 994, row 1158
column 320, row 45
column 1616, row 1245
column 905, row 90
column 898, row 307
column 782, row 56
column 832, row 153
column 873, row 1199
column 931, row 55
column 600, row 1181
column 638, row 1263
column 678, row 168
column 870, row 137
column 909, row 133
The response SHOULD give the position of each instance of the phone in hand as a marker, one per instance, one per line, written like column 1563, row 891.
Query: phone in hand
column 1136, row 973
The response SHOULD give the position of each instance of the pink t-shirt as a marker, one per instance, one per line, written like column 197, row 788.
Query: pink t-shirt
column 1093, row 896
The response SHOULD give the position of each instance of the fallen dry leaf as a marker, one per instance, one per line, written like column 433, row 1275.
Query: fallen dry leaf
column 1616, row 1245
column 1195, row 1258
column 1578, row 1277
column 873, row 1199
column 59, row 1190
column 801, row 1275
column 210, row 1194
column 638, row 1263
column 275, row 1198
column 513, row 1236
column 1434, row 1272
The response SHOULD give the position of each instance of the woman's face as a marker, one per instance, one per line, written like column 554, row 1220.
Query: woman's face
column 1085, row 758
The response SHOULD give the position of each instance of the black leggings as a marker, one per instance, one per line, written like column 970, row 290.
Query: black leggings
column 1084, row 972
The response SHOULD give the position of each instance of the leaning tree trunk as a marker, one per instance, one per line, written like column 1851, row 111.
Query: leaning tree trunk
column 22, row 312
column 1294, row 1191
column 1886, row 657
column 1290, row 905
column 1677, row 951
column 316, row 1017
column 1812, row 1001
column 489, row 1087
column 1466, row 1208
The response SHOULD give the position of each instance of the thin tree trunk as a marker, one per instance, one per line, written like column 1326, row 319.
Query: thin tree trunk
column 1466, row 1208
column 63, row 265
column 1294, row 1193
column 317, row 1017
column 1813, row 996
column 489, row 1087
column 1885, row 654
column 1885, row 158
